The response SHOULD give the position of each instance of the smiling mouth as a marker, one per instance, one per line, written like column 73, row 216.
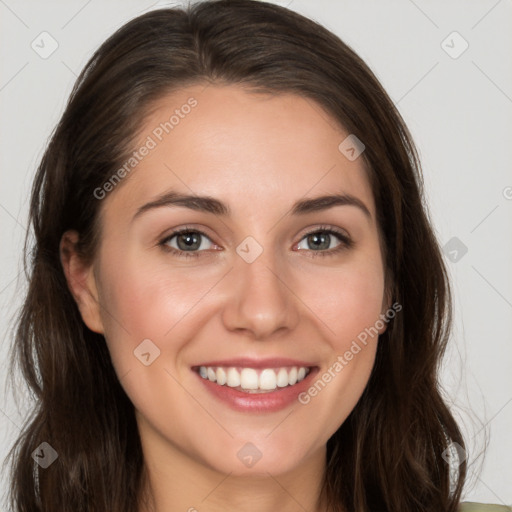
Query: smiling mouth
column 252, row 380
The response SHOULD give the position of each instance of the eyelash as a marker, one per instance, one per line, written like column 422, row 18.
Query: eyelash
column 345, row 242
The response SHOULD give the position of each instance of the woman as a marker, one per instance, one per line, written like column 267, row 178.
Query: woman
column 236, row 299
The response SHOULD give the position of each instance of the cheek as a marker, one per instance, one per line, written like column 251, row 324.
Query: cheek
column 146, row 291
column 350, row 306
column 347, row 300
column 142, row 300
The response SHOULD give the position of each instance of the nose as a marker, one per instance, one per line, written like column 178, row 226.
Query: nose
column 260, row 300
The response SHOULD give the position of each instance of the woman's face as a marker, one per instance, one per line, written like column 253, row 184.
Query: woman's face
column 267, row 289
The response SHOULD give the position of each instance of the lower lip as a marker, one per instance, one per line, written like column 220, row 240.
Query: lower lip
column 259, row 402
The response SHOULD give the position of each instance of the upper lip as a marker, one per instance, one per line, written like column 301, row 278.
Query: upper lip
column 247, row 362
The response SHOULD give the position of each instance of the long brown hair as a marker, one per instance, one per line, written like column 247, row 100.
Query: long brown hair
column 388, row 454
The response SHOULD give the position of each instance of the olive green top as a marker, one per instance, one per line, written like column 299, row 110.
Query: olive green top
column 482, row 507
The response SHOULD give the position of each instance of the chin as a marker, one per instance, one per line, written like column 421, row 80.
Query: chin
column 259, row 458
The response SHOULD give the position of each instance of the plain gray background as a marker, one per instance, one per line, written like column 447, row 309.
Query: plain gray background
column 457, row 102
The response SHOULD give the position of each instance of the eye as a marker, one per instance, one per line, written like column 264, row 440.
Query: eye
column 325, row 242
column 187, row 242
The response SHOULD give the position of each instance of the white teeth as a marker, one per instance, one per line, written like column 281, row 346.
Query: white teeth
column 282, row 378
column 250, row 379
column 268, row 379
column 233, row 379
column 221, row 376
column 292, row 376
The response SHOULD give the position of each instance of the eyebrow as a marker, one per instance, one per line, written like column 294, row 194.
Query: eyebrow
column 209, row 204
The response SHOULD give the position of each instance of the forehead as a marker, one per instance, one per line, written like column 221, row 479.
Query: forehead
column 246, row 149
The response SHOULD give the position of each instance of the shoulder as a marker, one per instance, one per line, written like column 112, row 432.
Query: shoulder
column 482, row 507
